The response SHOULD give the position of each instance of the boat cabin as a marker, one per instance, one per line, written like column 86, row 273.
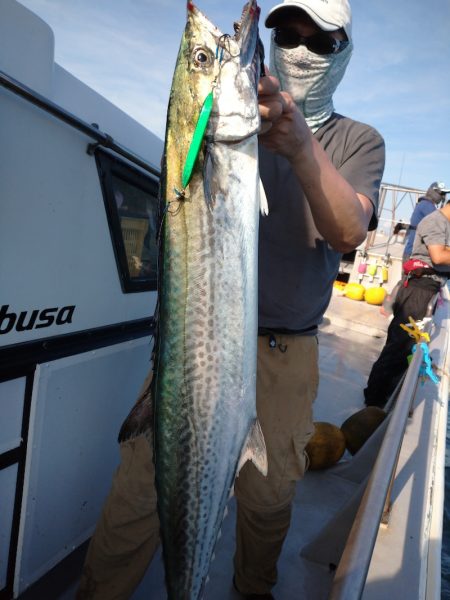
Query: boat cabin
column 78, row 259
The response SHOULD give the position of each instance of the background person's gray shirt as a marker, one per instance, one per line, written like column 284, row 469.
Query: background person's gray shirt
column 297, row 266
column 433, row 230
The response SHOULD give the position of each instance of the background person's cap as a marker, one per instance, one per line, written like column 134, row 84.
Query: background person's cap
column 329, row 15
column 436, row 192
column 440, row 187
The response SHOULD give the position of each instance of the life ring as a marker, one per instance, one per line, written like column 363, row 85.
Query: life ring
column 339, row 285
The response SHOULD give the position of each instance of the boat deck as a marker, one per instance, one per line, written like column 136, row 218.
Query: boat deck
column 346, row 356
column 326, row 501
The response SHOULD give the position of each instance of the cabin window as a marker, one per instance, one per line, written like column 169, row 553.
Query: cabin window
column 132, row 208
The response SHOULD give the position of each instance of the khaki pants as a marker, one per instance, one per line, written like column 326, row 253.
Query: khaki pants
column 286, row 389
column 127, row 533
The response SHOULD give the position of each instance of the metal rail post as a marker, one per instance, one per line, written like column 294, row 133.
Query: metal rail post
column 353, row 567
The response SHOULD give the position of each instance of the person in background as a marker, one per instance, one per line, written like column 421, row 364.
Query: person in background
column 400, row 226
column 425, row 273
column 321, row 172
column 425, row 205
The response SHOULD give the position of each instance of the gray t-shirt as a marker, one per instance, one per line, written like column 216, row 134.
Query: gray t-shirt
column 297, row 266
column 433, row 230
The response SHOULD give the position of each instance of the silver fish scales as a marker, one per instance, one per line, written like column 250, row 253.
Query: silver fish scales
column 205, row 355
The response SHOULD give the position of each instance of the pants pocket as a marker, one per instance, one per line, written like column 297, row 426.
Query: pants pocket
column 298, row 462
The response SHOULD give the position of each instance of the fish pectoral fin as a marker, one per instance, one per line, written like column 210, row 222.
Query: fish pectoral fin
column 208, row 178
column 263, row 204
column 254, row 449
column 140, row 419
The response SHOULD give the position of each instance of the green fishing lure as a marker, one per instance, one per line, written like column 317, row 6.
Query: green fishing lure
column 197, row 139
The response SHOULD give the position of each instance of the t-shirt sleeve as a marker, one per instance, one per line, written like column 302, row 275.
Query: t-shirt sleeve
column 432, row 232
column 363, row 164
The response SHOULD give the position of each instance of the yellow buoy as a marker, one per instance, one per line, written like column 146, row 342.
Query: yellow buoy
column 339, row 285
column 375, row 295
column 326, row 446
column 358, row 428
column 355, row 291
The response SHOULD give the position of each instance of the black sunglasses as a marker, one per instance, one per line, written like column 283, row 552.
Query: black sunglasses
column 319, row 43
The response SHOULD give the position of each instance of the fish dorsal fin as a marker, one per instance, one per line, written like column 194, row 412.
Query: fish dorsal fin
column 263, row 204
column 254, row 449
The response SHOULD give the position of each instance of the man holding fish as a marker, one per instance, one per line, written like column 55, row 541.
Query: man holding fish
column 321, row 173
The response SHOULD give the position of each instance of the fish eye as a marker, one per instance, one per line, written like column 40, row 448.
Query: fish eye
column 202, row 58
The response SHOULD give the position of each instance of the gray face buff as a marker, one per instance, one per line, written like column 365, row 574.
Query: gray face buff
column 310, row 79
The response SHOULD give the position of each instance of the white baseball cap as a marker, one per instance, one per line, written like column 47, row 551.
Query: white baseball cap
column 329, row 15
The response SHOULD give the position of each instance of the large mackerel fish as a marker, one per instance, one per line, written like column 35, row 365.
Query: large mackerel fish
column 205, row 353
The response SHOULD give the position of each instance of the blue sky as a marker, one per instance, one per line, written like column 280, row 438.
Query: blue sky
column 398, row 79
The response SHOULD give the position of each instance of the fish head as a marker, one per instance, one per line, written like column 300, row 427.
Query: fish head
column 235, row 114
column 200, row 48
column 196, row 70
column 227, row 65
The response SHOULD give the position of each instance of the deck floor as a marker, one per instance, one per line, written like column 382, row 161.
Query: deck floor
column 346, row 356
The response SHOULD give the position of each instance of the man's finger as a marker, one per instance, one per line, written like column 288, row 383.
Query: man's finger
column 271, row 109
column 287, row 102
column 268, row 86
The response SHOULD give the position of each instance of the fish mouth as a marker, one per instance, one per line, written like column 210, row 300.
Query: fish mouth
column 243, row 28
column 249, row 17
column 235, row 113
column 230, row 123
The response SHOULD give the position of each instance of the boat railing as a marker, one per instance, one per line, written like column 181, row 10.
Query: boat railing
column 374, row 509
column 392, row 197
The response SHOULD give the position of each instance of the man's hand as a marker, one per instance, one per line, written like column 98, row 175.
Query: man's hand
column 272, row 102
column 340, row 215
column 283, row 128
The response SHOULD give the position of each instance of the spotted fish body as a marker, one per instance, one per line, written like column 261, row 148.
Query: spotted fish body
column 205, row 361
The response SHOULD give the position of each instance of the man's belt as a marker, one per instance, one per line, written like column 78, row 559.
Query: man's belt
column 284, row 331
